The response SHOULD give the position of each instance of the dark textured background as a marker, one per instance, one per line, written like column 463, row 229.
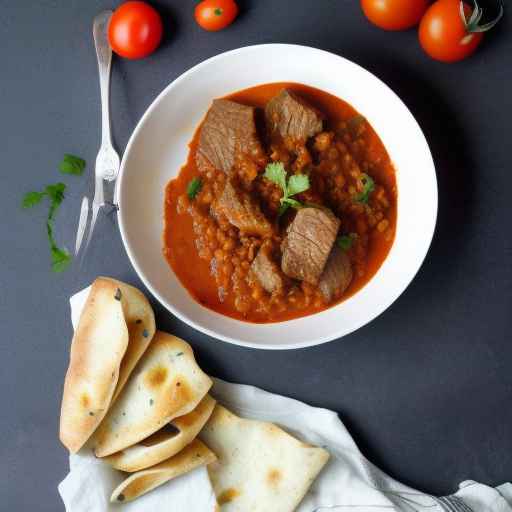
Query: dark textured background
column 425, row 389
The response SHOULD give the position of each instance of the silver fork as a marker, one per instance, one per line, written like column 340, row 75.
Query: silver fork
column 107, row 161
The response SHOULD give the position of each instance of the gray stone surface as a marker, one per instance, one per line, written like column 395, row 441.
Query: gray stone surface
column 425, row 389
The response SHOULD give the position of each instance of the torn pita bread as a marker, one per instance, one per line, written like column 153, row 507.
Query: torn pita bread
column 115, row 328
column 166, row 442
column 194, row 455
column 260, row 467
column 166, row 384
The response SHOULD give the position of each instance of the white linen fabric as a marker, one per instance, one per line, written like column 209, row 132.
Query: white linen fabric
column 348, row 482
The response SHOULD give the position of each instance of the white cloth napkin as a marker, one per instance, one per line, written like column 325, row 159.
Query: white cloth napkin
column 348, row 482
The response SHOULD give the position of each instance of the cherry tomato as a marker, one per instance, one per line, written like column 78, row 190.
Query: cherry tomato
column 135, row 30
column 394, row 14
column 215, row 15
column 443, row 33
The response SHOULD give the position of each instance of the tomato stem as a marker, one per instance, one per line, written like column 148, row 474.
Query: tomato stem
column 472, row 24
column 218, row 11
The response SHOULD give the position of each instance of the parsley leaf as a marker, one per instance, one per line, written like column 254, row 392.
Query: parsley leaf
column 60, row 258
column 194, row 187
column 32, row 198
column 72, row 164
column 276, row 173
column 345, row 241
column 368, row 188
column 296, row 184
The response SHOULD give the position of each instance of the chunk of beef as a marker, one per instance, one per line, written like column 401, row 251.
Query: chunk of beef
column 242, row 211
column 228, row 133
column 288, row 115
column 266, row 271
column 337, row 274
column 308, row 243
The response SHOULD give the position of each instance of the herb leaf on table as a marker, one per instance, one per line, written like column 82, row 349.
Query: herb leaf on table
column 72, row 164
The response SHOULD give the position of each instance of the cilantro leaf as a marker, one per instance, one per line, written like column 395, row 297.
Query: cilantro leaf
column 72, row 164
column 276, row 173
column 297, row 183
column 194, row 187
column 32, row 198
column 368, row 188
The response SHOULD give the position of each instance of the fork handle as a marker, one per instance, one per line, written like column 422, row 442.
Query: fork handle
column 104, row 56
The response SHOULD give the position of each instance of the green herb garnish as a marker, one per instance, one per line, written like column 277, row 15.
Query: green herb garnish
column 32, row 198
column 368, row 188
column 194, row 187
column 297, row 183
column 72, row 164
column 344, row 242
column 60, row 258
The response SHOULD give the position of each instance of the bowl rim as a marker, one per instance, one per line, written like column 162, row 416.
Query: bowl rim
column 384, row 305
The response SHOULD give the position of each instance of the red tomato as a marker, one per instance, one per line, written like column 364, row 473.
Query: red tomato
column 444, row 35
column 215, row 15
column 394, row 14
column 135, row 30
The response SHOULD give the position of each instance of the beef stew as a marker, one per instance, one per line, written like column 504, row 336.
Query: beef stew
column 294, row 208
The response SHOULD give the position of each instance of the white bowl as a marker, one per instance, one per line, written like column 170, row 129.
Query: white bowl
column 158, row 148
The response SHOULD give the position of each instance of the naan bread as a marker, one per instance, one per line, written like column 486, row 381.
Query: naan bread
column 115, row 328
column 260, row 467
column 166, row 384
column 166, row 442
column 194, row 455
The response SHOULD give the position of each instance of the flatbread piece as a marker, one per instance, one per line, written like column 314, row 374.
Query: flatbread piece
column 165, row 443
column 260, row 467
column 115, row 328
column 196, row 454
column 166, row 384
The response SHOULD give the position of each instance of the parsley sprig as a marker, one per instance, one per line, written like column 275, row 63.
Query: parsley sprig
column 55, row 193
column 70, row 164
column 295, row 184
